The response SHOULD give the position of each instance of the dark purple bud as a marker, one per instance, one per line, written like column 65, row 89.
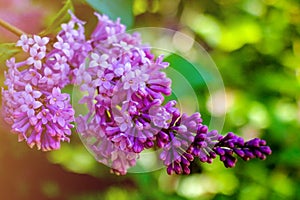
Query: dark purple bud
column 229, row 135
column 149, row 144
column 163, row 136
column 176, row 114
column 231, row 144
column 186, row 170
column 137, row 147
column 146, row 117
column 160, row 143
column 170, row 170
column 230, row 161
column 177, row 168
column 202, row 129
column 223, row 158
column 239, row 152
column 212, row 154
column 190, row 150
column 263, row 157
column 209, row 160
column 249, row 154
column 219, row 151
column 257, row 153
column 155, row 102
column 188, row 156
column 160, row 89
column 203, row 158
column 200, row 137
column 153, row 94
column 253, row 143
column 266, row 150
column 262, row 143
column 240, row 141
column 185, row 161
column 196, row 152
column 229, row 151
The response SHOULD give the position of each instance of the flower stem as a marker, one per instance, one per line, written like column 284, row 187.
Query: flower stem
column 11, row 28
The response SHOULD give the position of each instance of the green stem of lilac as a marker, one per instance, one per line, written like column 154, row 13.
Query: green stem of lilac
column 11, row 28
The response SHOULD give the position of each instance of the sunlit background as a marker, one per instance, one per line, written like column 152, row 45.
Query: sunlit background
column 256, row 47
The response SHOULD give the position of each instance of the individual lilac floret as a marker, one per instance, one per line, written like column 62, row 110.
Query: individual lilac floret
column 25, row 43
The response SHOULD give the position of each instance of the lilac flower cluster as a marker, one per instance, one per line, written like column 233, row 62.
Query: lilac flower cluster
column 187, row 138
column 33, row 103
column 124, row 87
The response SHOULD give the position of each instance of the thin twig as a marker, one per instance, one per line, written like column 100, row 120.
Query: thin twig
column 11, row 28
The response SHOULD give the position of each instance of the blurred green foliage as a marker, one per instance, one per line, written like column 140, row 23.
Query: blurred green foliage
column 256, row 46
column 123, row 10
column 61, row 17
column 7, row 50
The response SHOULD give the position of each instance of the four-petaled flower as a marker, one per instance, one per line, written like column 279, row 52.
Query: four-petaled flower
column 36, row 58
column 40, row 43
column 25, row 42
column 99, row 60
column 57, row 98
column 29, row 105
column 63, row 46
column 135, row 80
column 104, row 80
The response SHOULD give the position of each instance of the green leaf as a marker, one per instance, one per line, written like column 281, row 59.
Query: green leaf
column 194, row 73
column 115, row 9
column 61, row 17
column 7, row 50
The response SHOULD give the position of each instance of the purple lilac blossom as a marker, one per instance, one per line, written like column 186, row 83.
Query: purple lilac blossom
column 124, row 86
column 104, row 150
column 33, row 103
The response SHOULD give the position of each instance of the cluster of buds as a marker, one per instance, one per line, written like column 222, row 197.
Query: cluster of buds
column 123, row 87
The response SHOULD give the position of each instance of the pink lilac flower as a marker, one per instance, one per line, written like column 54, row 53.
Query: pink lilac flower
column 100, row 61
column 39, row 116
column 60, row 62
column 32, row 76
column 33, row 103
column 40, row 43
column 36, row 57
column 25, row 43
column 103, row 81
column 64, row 47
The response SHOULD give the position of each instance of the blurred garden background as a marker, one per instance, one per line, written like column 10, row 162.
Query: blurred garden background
column 256, row 47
